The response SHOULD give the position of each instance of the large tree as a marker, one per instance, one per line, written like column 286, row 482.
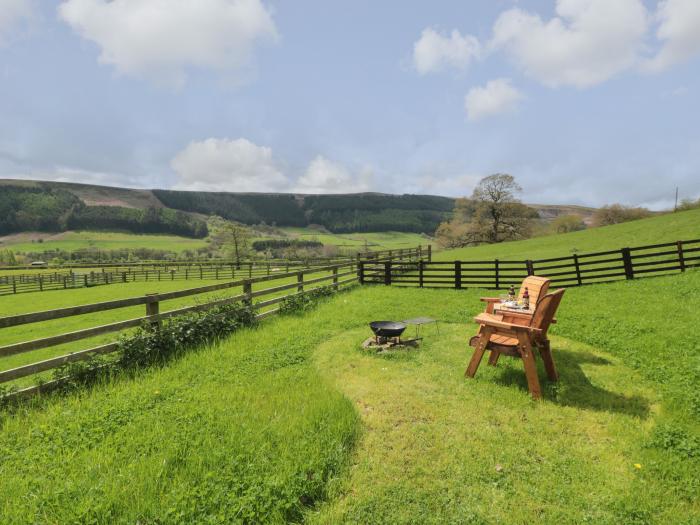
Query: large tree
column 492, row 214
column 232, row 238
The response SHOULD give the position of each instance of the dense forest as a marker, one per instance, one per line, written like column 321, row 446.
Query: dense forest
column 248, row 208
column 338, row 213
column 51, row 209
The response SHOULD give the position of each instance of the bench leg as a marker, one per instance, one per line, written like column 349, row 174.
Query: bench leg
column 493, row 358
column 528, row 357
column 478, row 352
column 546, row 353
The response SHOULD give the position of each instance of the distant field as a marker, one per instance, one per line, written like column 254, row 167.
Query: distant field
column 655, row 230
column 373, row 241
column 71, row 241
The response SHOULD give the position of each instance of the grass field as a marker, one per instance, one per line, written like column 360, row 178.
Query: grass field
column 71, row 241
column 290, row 421
column 54, row 299
column 655, row 230
column 361, row 241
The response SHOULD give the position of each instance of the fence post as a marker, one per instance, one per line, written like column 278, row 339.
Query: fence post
column 458, row 274
column 627, row 262
column 421, row 264
column 123, row 277
column 361, row 271
column 85, row 280
column 300, row 282
column 578, row 270
column 14, row 284
column 248, row 291
column 387, row 273
column 497, row 277
column 201, row 275
column 41, row 283
column 681, row 256
column 250, row 270
column 335, row 278
column 430, row 253
column 153, row 308
column 530, row 269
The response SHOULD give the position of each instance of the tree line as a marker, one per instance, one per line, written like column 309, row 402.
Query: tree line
column 337, row 213
column 54, row 210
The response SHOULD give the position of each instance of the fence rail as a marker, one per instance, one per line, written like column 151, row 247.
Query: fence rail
column 572, row 270
column 110, row 274
column 337, row 276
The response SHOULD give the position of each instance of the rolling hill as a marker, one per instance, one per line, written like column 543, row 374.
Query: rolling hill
column 60, row 206
column 669, row 227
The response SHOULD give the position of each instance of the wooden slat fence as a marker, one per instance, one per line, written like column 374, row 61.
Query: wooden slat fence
column 572, row 270
column 109, row 274
column 337, row 276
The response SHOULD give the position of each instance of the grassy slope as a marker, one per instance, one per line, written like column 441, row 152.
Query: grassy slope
column 255, row 427
column 71, row 241
column 665, row 228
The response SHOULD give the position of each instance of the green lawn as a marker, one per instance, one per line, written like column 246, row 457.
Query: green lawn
column 291, row 421
column 71, row 241
column 655, row 230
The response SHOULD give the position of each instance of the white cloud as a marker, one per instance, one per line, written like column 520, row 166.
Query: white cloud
column 325, row 176
column 679, row 29
column 435, row 52
column 228, row 165
column 497, row 96
column 586, row 44
column 160, row 39
column 13, row 13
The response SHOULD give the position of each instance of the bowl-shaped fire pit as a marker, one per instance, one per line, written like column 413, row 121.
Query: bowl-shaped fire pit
column 387, row 328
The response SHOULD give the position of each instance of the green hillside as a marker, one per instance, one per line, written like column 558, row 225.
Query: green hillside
column 663, row 228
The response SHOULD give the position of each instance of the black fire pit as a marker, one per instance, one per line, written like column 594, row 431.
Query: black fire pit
column 387, row 328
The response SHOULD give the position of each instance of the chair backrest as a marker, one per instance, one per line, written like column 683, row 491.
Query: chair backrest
column 537, row 288
column 545, row 310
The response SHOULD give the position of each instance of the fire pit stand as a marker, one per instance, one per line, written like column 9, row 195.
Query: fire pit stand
column 387, row 335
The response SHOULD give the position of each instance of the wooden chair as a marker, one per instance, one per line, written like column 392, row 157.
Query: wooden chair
column 517, row 339
column 536, row 286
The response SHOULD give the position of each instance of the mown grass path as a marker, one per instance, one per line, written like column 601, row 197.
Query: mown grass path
column 290, row 421
column 439, row 449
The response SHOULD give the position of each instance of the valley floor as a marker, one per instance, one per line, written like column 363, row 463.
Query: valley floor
column 291, row 421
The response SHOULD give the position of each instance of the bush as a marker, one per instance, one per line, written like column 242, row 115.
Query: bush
column 304, row 301
column 617, row 213
column 151, row 345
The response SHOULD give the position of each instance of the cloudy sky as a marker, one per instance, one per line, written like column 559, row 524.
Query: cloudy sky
column 583, row 101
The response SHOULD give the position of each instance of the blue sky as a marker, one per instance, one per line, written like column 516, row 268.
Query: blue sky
column 583, row 101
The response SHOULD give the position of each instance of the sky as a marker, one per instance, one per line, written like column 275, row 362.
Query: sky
column 586, row 102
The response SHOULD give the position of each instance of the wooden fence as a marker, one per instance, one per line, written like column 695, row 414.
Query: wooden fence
column 573, row 270
column 339, row 276
column 111, row 274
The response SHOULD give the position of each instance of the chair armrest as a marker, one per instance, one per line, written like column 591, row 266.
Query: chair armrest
column 490, row 300
column 490, row 320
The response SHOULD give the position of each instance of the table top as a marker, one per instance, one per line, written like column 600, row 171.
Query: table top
column 503, row 309
column 420, row 320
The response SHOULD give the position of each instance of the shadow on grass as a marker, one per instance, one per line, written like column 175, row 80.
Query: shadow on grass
column 574, row 388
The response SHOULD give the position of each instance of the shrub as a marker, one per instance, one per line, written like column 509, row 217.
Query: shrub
column 617, row 213
column 304, row 301
column 152, row 345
